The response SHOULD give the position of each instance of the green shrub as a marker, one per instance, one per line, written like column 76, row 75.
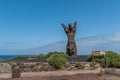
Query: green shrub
column 59, row 53
column 97, row 58
column 57, row 60
column 112, row 59
column 19, row 57
column 41, row 56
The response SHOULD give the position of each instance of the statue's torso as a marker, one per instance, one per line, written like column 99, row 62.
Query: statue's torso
column 70, row 35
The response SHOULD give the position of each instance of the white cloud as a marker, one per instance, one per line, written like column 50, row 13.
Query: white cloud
column 115, row 37
column 109, row 42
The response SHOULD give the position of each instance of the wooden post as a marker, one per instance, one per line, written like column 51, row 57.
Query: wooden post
column 105, row 62
column 93, row 57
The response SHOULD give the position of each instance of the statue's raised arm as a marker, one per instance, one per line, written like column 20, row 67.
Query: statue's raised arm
column 75, row 24
column 65, row 28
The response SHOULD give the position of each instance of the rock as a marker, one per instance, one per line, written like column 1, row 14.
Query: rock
column 87, row 66
column 5, row 68
column 95, row 65
column 16, row 72
column 79, row 66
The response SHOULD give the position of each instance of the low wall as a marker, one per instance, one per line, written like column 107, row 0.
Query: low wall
column 39, row 66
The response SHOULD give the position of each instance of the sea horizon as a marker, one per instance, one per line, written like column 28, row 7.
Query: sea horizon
column 5, row 57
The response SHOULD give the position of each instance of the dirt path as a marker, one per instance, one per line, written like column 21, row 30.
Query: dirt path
column 50, row 73
column 62, row 75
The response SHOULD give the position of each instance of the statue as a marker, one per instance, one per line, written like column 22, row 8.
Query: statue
column 70, row 31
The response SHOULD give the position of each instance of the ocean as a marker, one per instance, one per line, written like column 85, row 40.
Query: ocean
column 5, row 57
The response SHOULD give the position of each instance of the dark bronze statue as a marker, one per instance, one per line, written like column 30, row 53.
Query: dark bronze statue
column 71, row 49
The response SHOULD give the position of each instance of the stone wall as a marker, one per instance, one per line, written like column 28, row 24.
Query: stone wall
column 39, row 66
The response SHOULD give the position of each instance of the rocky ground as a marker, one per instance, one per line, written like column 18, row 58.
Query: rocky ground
column 111, row 77
column 63, row 75
column 70, row 77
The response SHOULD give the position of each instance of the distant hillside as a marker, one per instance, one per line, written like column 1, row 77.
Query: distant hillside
column 84, row 45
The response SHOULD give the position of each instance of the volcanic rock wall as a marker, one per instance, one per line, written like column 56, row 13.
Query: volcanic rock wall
column 39, row 66
column 44, row 66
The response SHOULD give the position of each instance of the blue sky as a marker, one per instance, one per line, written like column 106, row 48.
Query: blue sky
column 32, row 23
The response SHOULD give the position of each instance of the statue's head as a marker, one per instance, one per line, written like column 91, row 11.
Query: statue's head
column 70, row 26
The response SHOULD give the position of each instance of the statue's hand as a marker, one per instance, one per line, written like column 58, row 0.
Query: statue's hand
column 63, row 25
column 75, row 23
column 65, row 28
